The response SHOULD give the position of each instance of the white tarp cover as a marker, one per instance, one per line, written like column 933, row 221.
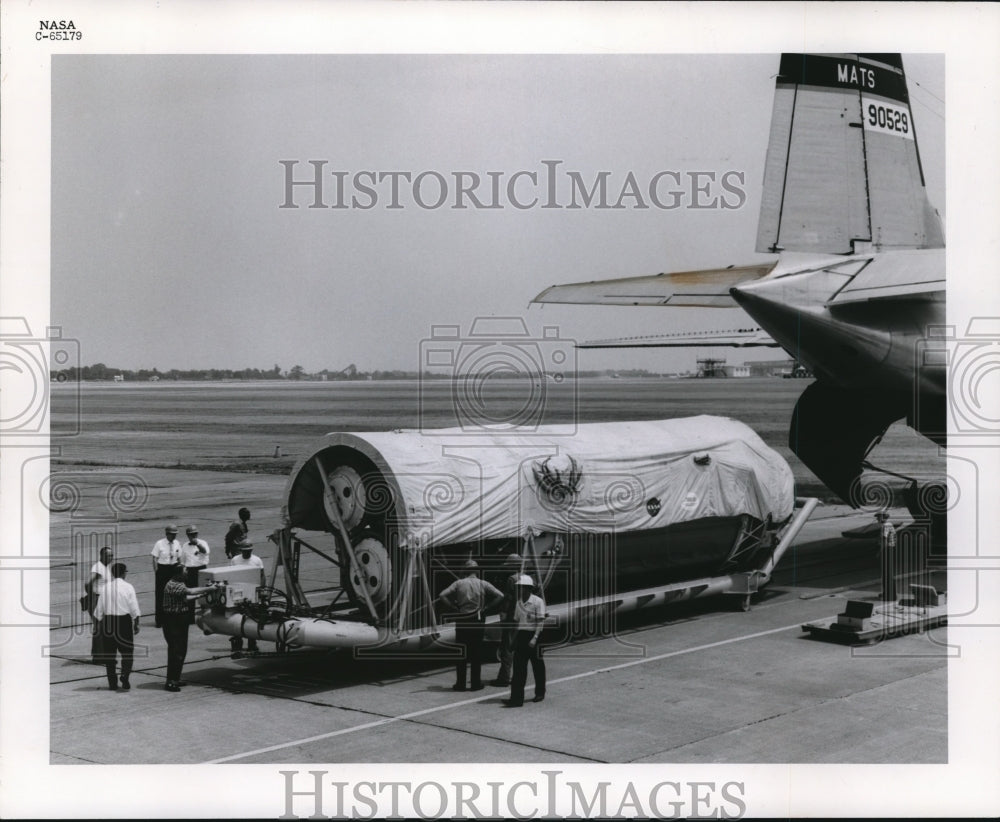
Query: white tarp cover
column 590, row 478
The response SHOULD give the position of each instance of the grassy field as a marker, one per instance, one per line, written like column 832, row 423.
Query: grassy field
column 242, row 426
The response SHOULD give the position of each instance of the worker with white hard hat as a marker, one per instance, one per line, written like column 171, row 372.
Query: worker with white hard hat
column 529, row 616
column 245, row 558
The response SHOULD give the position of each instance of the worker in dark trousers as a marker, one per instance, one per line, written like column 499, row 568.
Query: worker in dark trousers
column 194, row 558
column 117, row 612
column 529, row 616
column 510, row 597
column 166, row 552
column 470, row 597
column 237, row 533
column 174, row 622
column 100, row 574
column 245, row 558
column 888, row 557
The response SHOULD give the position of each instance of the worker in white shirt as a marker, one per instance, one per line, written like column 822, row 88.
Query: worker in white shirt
column 118, row 613
column 887, row 530
column 888, row 559
column 194, row 557
column 529, row 616
column 100, row 573
column 166, row 554
column 245, row 557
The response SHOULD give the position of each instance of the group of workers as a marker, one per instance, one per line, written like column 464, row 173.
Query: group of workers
column 114, row 607
column 522, row 615
column 115, row 611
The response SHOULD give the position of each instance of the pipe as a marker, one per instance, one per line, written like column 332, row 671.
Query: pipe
column 314, row 632
column 327, row 633
column 294, row 632
column 808, row 504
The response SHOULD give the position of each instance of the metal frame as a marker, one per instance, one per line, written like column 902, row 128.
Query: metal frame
column 402, row 627
column 748, row 541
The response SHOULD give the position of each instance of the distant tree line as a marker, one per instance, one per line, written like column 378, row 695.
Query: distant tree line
column 101, row 372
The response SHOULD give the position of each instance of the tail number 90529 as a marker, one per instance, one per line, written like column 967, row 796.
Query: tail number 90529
column 886, row 118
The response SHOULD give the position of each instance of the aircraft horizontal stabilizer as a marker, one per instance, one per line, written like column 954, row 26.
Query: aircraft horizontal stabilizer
column 733, row 338
column 708, row 288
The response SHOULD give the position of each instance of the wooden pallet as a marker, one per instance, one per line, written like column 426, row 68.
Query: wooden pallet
column 888, row 620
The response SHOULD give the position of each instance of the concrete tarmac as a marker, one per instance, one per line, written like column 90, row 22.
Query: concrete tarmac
column 697, row 682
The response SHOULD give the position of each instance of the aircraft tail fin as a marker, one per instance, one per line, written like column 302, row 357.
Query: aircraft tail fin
column 842, row 164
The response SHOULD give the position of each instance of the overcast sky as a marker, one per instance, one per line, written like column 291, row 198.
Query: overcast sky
column 170, row 249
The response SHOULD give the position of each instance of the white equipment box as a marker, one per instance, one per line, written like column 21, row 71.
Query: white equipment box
column 240, row 582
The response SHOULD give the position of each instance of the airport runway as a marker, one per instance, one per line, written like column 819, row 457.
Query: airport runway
column 701, row 682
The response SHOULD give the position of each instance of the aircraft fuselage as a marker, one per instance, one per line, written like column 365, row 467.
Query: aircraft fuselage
column 852, row 342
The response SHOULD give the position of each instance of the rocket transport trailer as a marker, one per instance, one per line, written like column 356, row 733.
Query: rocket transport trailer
column 605, row 517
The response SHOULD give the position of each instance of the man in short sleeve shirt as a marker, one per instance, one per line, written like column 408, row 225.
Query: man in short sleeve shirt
column 529, row 618
column 100, row 573
column 118, row 613
column 194, row 556
column 245, row 557
column 470, row 598
column 166, row 554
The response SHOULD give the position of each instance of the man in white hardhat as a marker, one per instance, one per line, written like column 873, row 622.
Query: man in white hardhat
column 470, row 598
column 245, row 557
column 529, row 615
